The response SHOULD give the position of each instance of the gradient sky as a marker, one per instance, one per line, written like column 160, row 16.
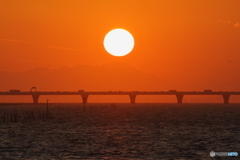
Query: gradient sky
column 190, row 42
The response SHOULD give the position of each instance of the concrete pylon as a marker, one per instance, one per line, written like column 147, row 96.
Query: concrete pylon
column 226, row 98
column 179, row 98
column 35, row 98
column 84, row 98
column 132, row 98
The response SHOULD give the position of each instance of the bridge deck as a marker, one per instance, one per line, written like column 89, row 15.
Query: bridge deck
column 179, row 94
column 122, row 93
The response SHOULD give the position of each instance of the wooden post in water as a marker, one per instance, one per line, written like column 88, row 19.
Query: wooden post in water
column 84, row 104
column 47, row 110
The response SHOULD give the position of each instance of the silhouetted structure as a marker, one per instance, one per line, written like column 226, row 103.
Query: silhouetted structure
column 33, row 89
column 179, row 94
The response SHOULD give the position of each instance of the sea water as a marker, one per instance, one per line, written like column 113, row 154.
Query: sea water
column 122, row 131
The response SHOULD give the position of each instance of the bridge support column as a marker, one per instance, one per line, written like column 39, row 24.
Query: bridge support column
column 35, row 98
column 226, row 98
column 179, row 98
column 132, row 98
column 84, row 98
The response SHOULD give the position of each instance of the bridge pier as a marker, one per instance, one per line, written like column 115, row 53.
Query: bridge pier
column 226, row 98
column 179, row 98
column 84, row 98
column 132, row 98
column 35, row 98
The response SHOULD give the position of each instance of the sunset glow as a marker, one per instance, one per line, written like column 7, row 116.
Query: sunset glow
column 69, row 45
column 119, row 79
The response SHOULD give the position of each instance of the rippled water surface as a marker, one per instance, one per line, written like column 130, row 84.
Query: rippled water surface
column 121, row 131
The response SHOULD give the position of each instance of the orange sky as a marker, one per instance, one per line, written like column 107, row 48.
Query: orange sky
column 187, row 42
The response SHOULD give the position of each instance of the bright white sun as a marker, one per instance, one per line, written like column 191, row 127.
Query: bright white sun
column 118, row 42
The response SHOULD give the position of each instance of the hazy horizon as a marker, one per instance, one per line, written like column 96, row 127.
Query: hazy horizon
column 126, row 78
column 58, row 45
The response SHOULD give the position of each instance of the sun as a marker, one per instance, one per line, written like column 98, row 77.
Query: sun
column 118, row 42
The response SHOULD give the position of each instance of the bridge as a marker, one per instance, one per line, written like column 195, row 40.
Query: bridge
column 132, row 94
